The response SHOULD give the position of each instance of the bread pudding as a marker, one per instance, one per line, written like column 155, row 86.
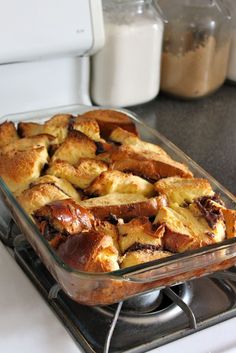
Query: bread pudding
column 103, row 198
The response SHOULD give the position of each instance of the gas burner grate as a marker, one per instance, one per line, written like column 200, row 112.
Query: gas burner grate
column 170, row 314
column 102, row 329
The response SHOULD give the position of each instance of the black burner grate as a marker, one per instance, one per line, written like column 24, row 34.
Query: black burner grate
column 173, row 319
column 176, row 312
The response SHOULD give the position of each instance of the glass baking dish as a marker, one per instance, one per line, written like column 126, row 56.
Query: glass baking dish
column 107, row 288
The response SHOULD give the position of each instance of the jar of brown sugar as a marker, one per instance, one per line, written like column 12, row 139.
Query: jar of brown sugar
column 196, row 47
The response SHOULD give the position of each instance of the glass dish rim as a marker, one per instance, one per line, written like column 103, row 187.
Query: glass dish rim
column 126, row 273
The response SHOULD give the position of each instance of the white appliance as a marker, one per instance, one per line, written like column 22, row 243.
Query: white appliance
column 44, row 62
column 45, row 49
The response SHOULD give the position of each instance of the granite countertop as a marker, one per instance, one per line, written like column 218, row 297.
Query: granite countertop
column 204, row 129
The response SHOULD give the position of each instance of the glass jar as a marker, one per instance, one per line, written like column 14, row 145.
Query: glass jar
column 231, row 74
column 126, row 71
column 196, row 47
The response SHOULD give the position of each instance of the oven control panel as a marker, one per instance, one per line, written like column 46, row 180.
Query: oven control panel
column 32, row 30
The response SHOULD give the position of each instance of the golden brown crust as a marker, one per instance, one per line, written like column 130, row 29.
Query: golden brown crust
column 38, row 196
column 139, row 232
column 19, row 168
column 8, row 133
column 60, row 183
column 230, row 222
column 183, row 190
column 137, row 257
column 108, row 120
column 76, row 146
column 66, row 216
column 229, row 215
column 135, row 143
column 114, row 181
column 163, row 165
column 90, row 251
column 186, row 229
column 107, row 229
column 56, row 126
column 29, row 142
column 81, row 175
column 144, row 169
column 126, row 206
column 89, row 127
column 30, row 129
column 59, row 120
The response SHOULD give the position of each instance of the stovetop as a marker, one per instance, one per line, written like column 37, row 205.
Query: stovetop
column 157, row 319
column 139, row 324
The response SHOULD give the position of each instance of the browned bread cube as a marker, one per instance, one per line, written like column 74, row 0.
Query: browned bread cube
column 214, row 207
column 44, row 190
column 28, row 142
column 30, row 129
column 57, row 126
column 108, row 120
column 183, row 190
column 145, row 169
column 89, row 127
column 19, row 168
column 230, row 222
column 187, row 228
column 60, row 183
column 114, row 181
column 76, row 146
column 136, row 144
column 139, row 233
column 90, row 251
column 65, row 216
column 126, row 206
column 107, row 228
column 161, row 164
column 81, row 175
column 38, row 196
column 133, row 258
column 8, row 133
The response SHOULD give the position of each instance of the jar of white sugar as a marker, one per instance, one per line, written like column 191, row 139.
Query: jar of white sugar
column 126, row 71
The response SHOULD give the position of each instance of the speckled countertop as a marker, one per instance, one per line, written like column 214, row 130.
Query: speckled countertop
column 204, row 129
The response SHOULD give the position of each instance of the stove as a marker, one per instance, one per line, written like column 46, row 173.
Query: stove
column 139, row 324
